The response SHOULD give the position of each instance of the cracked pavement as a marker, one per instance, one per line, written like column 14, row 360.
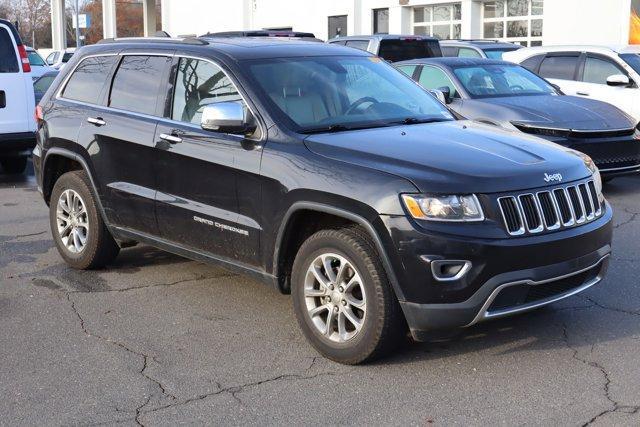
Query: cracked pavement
column 159, row 340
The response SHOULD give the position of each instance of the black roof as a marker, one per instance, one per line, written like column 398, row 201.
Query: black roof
column 238, row 48
column 455, row 61
column 13, row 30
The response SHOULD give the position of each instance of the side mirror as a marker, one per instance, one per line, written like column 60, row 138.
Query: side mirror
column 438, row 95
column 618, row 80
column 446, row 92
column 227, row 117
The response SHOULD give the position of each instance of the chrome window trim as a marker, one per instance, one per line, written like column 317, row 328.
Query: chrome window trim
column 484, row 314
column 150, row 116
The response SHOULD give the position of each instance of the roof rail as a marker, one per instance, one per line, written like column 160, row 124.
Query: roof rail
column 474, row 40
column 186, row 40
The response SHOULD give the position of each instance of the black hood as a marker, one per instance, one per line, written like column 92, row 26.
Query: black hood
column 565, row 112
column 453, row 157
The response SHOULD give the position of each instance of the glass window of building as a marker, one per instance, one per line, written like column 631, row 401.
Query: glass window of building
column 515, row 21
column 443, row 21
column 380, row 21
column 337, row 26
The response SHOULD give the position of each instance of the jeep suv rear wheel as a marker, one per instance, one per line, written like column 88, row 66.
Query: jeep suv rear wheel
column 342, row 298
column 79, row 233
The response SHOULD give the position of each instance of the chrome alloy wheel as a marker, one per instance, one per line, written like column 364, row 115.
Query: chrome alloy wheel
column 73, row 221
column 335, row 297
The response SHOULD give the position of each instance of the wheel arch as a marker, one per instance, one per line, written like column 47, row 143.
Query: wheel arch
column 58, row 161
column 286, row 243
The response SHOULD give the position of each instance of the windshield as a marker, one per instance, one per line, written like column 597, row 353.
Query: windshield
column 497, row 53
column 319, row 94
column 35, row 59
column 633, row 59
column 491, row 81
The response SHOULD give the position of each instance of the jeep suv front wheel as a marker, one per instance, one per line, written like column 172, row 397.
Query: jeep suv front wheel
column 79, row 233
column 342, row 298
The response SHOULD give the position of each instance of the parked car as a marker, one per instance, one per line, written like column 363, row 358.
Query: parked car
column 511, row 97
column 41, row 85
column 391, row 47
column 38, row 65
column 483, row 48
column 58, row 58
column 292, row 35
column 319, row 170
column 17, row 124
column 609, row 74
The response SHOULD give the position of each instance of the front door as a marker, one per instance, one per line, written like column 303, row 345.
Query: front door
column 198, row 171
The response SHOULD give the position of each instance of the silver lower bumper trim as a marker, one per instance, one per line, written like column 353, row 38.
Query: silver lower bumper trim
column 484, row 314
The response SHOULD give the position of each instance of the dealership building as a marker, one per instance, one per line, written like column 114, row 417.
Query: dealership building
column 529, row 22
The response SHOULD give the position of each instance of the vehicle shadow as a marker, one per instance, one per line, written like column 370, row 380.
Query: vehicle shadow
column 542, row 330
column 25, row 179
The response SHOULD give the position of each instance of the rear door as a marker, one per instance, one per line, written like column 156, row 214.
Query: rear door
column 562, row 69
column 119, row 138
column 16, row 92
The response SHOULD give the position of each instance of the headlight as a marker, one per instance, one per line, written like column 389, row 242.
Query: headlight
column 444, row 208
column 595, row 173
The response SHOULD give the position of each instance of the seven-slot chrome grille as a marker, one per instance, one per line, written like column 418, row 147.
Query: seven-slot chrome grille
column 549, row 210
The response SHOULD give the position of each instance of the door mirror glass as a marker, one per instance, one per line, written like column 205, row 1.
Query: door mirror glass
column 618, row 80
column 446, row 92
column 439, row 95
column 227, row 117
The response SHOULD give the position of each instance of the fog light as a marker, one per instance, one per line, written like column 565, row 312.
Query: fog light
column 445, row 270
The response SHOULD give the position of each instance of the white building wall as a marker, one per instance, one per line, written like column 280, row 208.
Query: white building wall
column 565, row 21
column 586, row 22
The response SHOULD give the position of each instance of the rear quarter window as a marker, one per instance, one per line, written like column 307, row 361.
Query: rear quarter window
column 87, row 80
column 8, row 56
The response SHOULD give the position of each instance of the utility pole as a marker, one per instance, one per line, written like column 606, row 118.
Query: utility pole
column 78, row 42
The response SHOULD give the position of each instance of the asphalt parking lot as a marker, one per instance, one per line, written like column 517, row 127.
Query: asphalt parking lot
column 159, row 340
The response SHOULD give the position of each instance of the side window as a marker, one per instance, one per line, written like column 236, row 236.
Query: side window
column 87, row 80
column 407, row 69
column 8, row 57
column 434, row 78
column 449, row 51
column 358, row 44
column 137, row 83
column 199, row 83
column 598, row 70
column 559, row 67
column 532, row 63
column 466, row 52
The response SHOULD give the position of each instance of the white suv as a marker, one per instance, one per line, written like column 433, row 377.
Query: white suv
column 610, row 74
column 17, row 121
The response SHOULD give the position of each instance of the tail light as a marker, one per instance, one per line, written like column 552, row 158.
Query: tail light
column 38, row 114
column 26, row 67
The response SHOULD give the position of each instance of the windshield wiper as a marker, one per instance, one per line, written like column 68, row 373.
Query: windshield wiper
column 415, row 120
column 331, row 128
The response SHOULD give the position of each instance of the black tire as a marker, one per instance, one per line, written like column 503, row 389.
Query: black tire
column 100, row 248
column 13, row 165
column 384, row 326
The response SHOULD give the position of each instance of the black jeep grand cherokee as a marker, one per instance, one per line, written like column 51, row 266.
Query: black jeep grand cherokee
column 322, row 171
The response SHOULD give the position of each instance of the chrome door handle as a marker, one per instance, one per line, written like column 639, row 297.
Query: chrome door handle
column 96, row 121
column 172, row 139
column 583, row 93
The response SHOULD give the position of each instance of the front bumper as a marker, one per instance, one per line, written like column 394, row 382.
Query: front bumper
column 17, row 144
column 507, row 275
column 547, row 284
